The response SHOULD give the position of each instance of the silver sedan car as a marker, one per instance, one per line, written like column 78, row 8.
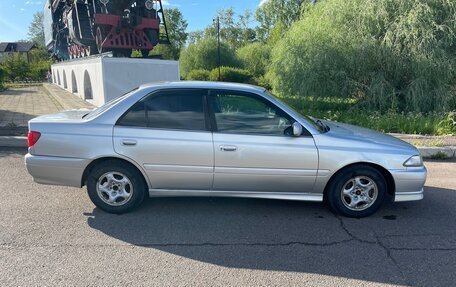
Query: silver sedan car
column 219, row 139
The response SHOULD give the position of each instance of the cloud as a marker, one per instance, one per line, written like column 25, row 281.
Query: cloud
column 33, row 3
column 167, row 3
column 262, row 2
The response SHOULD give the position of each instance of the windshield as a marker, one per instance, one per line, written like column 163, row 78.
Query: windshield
column 316, row 123
column 103, row 108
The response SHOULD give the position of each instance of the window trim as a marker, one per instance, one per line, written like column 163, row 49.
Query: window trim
column 213, row 92
column 204, row 94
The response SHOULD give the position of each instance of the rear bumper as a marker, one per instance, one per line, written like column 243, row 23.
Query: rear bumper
column 56, row 170
column 409, row 184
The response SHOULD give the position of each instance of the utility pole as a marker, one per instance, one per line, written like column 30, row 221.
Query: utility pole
column 217, row 23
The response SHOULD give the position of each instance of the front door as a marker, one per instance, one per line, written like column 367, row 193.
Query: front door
column 168, row 135
column 253, row 148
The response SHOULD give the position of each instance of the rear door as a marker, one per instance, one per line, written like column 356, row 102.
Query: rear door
column 254, row 149
column 168, row 134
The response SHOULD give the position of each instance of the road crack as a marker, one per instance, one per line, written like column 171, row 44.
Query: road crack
column 204, row 244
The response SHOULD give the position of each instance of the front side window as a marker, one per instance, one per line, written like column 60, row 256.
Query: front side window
column 244, row 113
column 173, row 110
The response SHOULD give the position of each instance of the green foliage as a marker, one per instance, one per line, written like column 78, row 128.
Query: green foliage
column 136, row 54
column 177, row 27
column 390, row 55
column 198, row 75
column 272, row 12
column 255, row 58
column 345, row 110
column 439, row 156
column 36, row 30
column 38, row 70
column 2, row 78
column 235, row 30
column 233, row 75
column 39, row 54
column 16, row 67
column 203, row 55
column 447, row 125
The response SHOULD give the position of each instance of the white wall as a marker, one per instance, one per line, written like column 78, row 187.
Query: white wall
column 112, row 77
column 121, row 75
column 92, row 67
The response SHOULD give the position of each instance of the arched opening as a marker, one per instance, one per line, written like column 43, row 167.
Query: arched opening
column 65, row 84
column 74, row 84
column 58, row 78
column 87, row 87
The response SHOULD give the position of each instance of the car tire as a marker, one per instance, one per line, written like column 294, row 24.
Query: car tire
column 115, row 187
column 357, row 192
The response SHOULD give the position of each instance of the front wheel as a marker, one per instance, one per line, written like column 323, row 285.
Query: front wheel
column 357, row 192
column 116, row 188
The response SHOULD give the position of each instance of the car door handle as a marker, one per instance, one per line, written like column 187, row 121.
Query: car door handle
column 129, row 142
column 228, row 148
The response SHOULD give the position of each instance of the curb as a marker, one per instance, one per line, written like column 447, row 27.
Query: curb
column 438, row 152
column 13, row 141
column 426, row 152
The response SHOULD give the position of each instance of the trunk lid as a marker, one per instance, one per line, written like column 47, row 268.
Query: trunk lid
column 66, row 116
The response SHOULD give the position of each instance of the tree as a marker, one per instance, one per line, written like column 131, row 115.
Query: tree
column 272, row 12
column 36, row 30
column 177, row 30
column 39, row 54
column 203, row 55
column 388, row 55
column 195, row 36
column 234, row 31
column 255, row 58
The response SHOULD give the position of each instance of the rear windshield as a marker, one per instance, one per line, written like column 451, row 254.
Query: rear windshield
column 105, row 107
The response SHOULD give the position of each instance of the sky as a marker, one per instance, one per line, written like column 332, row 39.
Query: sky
column 16, row 15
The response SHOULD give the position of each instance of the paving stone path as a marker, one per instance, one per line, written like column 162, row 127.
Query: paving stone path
column 19, row 105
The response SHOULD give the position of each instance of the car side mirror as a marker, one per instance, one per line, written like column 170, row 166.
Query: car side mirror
column 297, row 129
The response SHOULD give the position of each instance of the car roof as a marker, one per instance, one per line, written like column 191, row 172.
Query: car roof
column 203, row 85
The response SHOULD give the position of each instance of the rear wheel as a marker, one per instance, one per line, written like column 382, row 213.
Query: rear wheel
column 357, row 192
column 116, row 188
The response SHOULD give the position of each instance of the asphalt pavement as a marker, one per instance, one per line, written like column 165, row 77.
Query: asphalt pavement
column 54, row 236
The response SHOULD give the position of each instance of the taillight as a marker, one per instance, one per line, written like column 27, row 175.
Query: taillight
column 32, row 138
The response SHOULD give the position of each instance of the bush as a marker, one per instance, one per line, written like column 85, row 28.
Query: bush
column 344, row 110
column 204, row 55
column 233, row 75
column 16, row 67
column 390, row 55
column 2, row 78
column 198, row 75
column 255, row 58
column 38, row 70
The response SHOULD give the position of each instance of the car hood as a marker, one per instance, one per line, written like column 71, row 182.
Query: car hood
column 355, row 133
column 72, row 115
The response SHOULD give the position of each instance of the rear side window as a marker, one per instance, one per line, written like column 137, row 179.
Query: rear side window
column 174, row 110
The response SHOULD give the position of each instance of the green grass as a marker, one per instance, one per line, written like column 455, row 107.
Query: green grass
column 438, row 156
column 347, row 111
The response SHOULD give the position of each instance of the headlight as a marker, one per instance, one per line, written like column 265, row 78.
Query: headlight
column 149, row 4
column 415, row 160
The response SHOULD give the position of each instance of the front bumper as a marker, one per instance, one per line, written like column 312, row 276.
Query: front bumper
column 56, row 170
column 409, row 183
